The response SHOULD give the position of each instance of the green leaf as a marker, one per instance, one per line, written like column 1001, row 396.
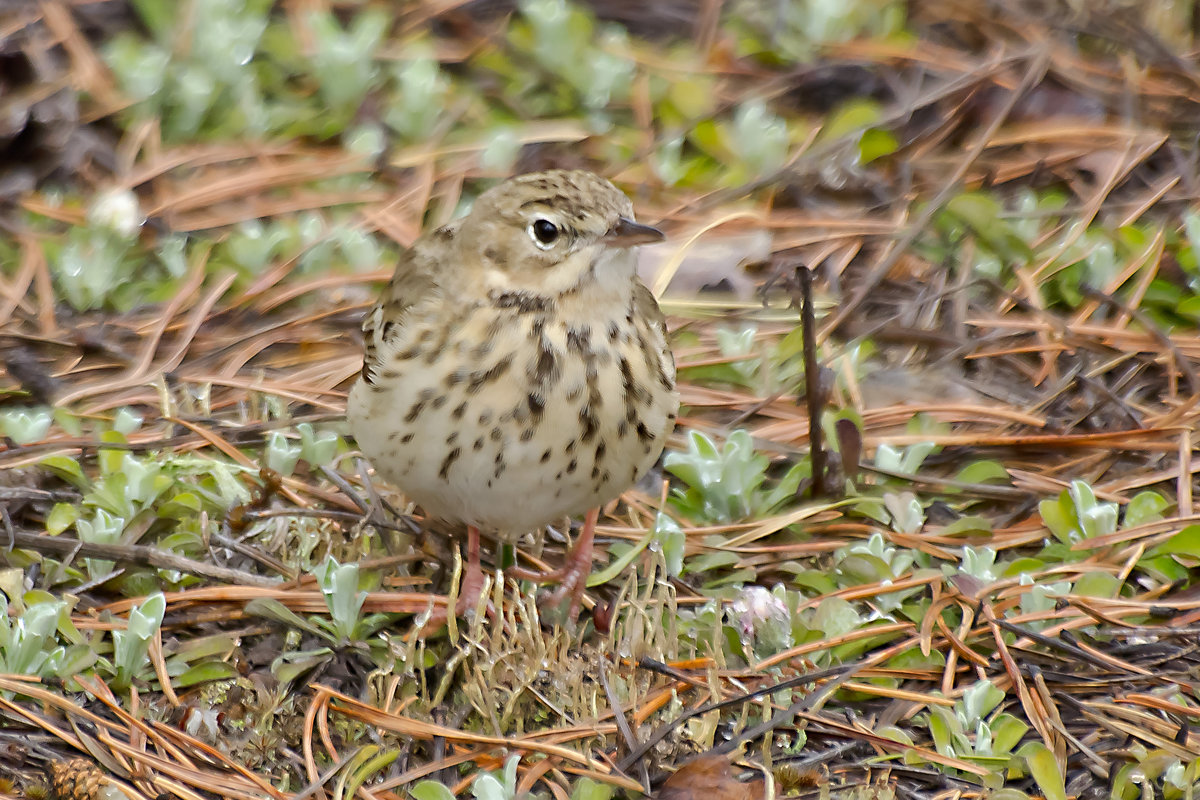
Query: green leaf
column 588, row 789
column 618, row 565
column 204, row 673
column 182, row 506
column 1164, row 569
column 366, row 764
column 1025, row 565
column 273, row 609
column 1044, row 769
column 715, row 559
column 1059, row 516
column 850, row 118
column 68, row 469
column 111, row 460
column 1184, row 543
column 1007, row 731
column 894, row 733
column 1007, row 793
column 978, row 700
column 144, row 620
column 982, row 214
column 291, row 665
column 339, row 585
column 835, row 616
column 61, row 517
column 671, row 539
column 692, row 95
column 986, row 471
column 965, row 526
column 430, row 790
column 486, row 787
column 1097, row 584
column 876, row 143
column 942, row 725
column 1145, row 507
column 1125, row 784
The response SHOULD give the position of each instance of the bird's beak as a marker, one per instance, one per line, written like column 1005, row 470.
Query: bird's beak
column 627, row 233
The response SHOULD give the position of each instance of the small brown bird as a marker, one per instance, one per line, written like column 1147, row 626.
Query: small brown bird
column 516, row 369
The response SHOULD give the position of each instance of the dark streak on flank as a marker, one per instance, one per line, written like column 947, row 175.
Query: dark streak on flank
column 628, row 390
column 590, row 423
column 580, row 340
column 481, row 377
column 446, row 331
column 424, row 397
column 451, row 457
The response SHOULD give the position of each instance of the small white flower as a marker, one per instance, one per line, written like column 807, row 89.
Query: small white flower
column 117, row 210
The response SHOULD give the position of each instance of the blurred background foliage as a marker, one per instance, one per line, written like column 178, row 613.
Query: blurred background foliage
column 199, row 198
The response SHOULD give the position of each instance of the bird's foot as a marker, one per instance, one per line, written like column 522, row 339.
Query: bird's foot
column 470, row 590
column 563, row 603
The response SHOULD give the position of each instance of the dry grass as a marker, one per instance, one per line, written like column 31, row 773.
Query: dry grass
column 990, row 100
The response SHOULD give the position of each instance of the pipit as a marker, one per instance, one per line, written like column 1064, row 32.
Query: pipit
column 516, row 370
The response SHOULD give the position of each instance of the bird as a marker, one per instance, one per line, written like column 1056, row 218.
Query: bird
column 516, row 371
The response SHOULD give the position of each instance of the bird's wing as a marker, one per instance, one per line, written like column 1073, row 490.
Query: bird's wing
column 415, row 278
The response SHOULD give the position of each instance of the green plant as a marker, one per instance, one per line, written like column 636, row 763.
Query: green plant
column 420, row 92
column 1154, row 771
column 339, row 584
column 281, row 454
column 971, row 731
column 196, row 75
column 344, row 61
column 794, row 31
column 131, row 646
column 26, row 425
column 565, row 41
column 727, row 483
column 93, row 264
column 1076, row 515
column 37, row 637
column 346, row 625
column 876, row 561
column 1041, row 597
column 753, row 143
column 155, row 496
column 28, row 644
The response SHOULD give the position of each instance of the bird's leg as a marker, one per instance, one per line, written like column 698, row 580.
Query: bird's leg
column 469, row 590
column 473, row 579
column 574, row 572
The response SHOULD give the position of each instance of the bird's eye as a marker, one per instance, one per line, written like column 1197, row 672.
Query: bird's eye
column 544, row 233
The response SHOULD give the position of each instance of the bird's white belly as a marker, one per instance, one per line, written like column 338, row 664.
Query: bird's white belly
column 486, row 435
